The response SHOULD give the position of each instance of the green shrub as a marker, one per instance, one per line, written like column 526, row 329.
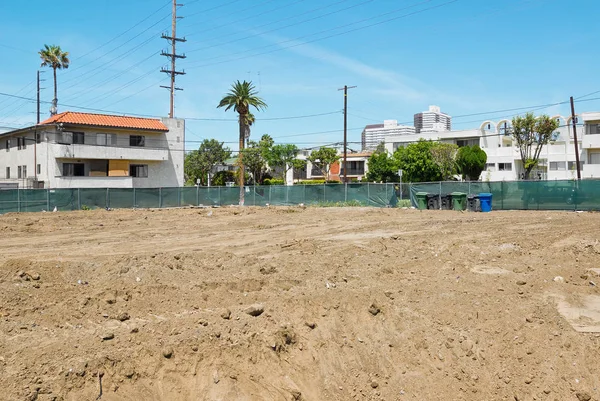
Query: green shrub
column 273, row 181
column 351, row 203
column 317, row 182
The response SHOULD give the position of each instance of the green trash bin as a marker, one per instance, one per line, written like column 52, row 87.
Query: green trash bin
column 421, row 198
column 459, row 200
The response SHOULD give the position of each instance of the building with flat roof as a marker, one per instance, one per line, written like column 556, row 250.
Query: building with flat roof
column 432, row 120
column 84, row 150
column 375, row 134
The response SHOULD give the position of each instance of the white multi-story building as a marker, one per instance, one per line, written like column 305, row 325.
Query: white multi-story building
column 557, row 160
column 432, row 120
column 375, row 134
column 82, row 150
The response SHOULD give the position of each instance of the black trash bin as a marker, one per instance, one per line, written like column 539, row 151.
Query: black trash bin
column 446, row 201
column 473, row 203
column 433, row 201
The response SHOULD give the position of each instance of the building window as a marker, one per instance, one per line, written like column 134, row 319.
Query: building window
column 504, row 166
column 572, row 166
column 39, row 169
column 593, row 129
column 24, row 171
column 594, row 158
column 38, row 137
column 64, row 138
column 106, row 139
column 556, row 166
column 73, row 170
column 8, row 173
column 354, row 167
column 490, row 166
column 19, row 172
column 138, row 170
column 78, row 138
column 137, row 140
column 21, row 143
column 8, row 145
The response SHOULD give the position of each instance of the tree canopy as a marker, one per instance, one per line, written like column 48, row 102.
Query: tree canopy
column 255, row 157
column 284, row 157
column 471, row 161
column 417, row 162
column 531, row 134
column 323, row 159
column 444, row 156
column 199, row 163
column 382, row 168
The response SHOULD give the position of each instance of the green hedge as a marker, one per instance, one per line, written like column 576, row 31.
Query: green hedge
column 273, row 181
column 317, row 182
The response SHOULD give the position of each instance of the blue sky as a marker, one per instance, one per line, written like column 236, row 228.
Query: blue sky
column 467, row 56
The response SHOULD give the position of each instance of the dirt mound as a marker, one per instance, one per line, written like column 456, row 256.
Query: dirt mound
column 299, row 304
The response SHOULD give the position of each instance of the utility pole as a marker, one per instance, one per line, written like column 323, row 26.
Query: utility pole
column 35, row 134
column 574, row 120
column 38, row 97
column 345, row 89
column 173, row 56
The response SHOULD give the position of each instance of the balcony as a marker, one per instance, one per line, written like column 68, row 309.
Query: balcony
column 107, row 152
column 591, row 171
column 591, row 141
column 91, row 182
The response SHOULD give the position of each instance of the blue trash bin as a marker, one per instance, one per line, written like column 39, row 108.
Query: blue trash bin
column 485, row 200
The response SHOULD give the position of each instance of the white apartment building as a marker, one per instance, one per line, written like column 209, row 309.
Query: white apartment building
column 83, row 150
column 557, row 160
column 432, row 120
column 375, row 134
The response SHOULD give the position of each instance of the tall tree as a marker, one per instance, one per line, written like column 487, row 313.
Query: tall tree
column 416, row 162
column 532, row 134
column 52, row 56
column 241, row 97
column 323, row 159
column 284, row 157
column 382, row 167
column 470, row 162
column 444, row 155
column 199, row 163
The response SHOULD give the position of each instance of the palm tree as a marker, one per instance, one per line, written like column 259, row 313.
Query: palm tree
column 241, row 97
column 53, row 56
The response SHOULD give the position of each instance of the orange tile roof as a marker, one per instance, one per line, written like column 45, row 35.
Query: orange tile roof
column 105, row 120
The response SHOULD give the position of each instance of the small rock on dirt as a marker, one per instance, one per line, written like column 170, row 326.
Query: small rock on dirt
column 167, row 352
column 226, row 314
column 583, row 396
column 255, row 310
column 374, row 310
column 108, row 336
column 123, row 316
column 374, row 384
column 311, row 325
column 521, row 282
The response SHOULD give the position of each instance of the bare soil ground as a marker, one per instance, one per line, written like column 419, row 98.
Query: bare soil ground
column 299, row 304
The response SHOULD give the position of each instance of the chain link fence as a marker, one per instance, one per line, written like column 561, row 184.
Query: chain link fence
column 36, row 200
column 514, row 195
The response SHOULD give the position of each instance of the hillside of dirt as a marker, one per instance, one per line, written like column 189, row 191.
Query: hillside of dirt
column 296, row 303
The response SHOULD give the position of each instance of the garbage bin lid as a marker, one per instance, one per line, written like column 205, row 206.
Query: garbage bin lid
column 421, row 193
column 485, row 194
column 458, row 193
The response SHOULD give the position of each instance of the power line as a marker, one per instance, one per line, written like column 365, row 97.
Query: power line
column 327, row 30
column 283, row 27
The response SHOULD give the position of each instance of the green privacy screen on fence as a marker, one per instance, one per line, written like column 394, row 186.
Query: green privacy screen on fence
column 524, row 195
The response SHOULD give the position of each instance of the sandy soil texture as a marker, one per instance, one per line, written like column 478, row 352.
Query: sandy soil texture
column 306, row 304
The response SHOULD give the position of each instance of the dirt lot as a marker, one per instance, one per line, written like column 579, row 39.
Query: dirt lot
column 357, row 304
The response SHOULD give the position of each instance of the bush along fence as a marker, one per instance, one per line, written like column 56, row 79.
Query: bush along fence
column 517, row 195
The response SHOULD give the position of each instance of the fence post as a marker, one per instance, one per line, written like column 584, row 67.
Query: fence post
column 79, row 198
column 160, row 197
column 287, row 194
column 270, row 186
column 502, row 195
column 219, row 196
column 368, row 195
column 345, row 192
column 107, row 199
column 47, row 200
column 324, row 196
column 18, row 200
column 197, row 195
